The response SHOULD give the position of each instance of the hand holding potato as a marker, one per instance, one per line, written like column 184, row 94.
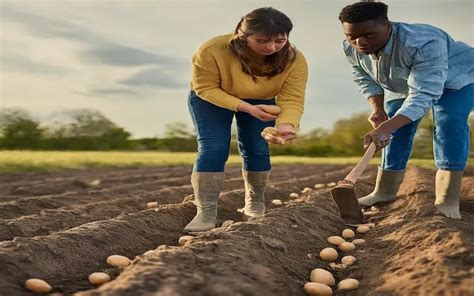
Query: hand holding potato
column 265, row 112
column 279, row 135
column 262, row 112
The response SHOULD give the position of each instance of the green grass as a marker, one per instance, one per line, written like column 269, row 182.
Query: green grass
column 21, row 161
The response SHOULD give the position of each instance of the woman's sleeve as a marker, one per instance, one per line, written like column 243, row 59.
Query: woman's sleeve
column 292, row 94
column 206, row 81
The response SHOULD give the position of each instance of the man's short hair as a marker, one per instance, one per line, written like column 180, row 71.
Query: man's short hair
column 364, row 11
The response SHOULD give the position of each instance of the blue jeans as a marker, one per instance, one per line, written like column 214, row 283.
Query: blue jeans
column 213, row 130
column 451, row 134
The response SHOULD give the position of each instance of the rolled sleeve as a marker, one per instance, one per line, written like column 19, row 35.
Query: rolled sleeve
column 367, row 86
column 426, row 79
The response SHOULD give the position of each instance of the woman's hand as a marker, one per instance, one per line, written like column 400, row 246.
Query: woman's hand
column 256, row 111
column 279, row 135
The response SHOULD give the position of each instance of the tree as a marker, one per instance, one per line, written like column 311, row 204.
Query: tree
column 19, row 130
column 347, row 135
column 178, row 130
column 87, row 129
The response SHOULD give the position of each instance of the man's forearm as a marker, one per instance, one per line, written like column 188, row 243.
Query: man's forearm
column 376, row 102
column 395, row 123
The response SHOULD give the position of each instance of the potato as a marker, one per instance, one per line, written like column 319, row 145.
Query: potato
column 149, row 252
column 319, row 186
column 150, row 205
column 370, row 225
column 358, row 241
column 95, row 182
column 272, row 109
column 118, row 261
column 335, row 240
column 227, row 223
column 319, row 275
column 332, row 184
column 294, row 195
column 277, row 202
column 348, row 233
column 38, row 286
column 306, row 190
column 328, row 254
column 317, row 289
column 98, row 278
column 269, row 131
column 346, row 247
column 182, row 240
column 348, row 284
column 337, row 266
column 368, row 213
column 348, row 260
column 363, row 229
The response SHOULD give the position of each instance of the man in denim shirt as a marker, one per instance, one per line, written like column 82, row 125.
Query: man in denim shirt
column 404, row 70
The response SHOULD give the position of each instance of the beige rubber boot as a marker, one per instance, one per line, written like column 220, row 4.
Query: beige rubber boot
column 386, row 188
column 448, row 187
column 207, row 186
column 255, row 185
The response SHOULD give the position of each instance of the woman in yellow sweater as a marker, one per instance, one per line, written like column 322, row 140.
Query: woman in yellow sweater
column 237, row 75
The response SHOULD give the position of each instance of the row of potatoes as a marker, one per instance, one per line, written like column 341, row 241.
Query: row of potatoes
column 37, row 285
column 96, row 278
column 321, row 280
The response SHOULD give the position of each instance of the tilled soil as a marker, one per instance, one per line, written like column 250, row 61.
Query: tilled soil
column 61, row 226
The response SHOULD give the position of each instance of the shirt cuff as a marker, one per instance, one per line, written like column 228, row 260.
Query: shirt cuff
column 411, row 113
column 371, row 91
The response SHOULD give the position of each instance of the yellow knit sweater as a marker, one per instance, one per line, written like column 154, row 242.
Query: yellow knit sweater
column 217, row 77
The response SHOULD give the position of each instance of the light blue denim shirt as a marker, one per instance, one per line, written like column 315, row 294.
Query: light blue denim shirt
column 417, row 63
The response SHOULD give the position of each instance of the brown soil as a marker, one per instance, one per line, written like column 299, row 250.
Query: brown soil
column 61, row 226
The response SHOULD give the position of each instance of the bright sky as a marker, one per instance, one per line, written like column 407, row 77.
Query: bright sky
column 130, row 59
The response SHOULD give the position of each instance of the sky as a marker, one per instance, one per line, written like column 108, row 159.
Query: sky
column 131, row 59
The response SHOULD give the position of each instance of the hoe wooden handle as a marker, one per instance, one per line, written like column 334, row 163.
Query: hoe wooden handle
column 361, row 165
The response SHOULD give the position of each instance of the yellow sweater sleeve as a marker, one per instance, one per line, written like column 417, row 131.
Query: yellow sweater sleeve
column 206, row 81
column 292, row 94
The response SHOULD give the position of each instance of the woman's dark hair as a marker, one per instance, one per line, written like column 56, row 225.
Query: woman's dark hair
column 364, row 11
column 269, row 22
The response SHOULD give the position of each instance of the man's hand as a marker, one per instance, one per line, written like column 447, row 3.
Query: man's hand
column 378, row 114
column 279, row 135
column 377, row 117
column 380, row 136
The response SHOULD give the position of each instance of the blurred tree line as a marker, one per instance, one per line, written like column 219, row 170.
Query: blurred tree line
column 91, row 130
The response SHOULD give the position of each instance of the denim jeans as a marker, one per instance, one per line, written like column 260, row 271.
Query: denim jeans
column 213, row 129
column 451, row 134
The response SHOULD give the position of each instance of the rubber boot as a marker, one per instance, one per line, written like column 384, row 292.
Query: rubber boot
column 386, row 188
column 255, row 185
column 448, row 187
column 207, row 187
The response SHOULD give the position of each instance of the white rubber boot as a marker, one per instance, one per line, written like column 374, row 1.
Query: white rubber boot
column 448, row 187
column 386, row 188
column 207, row 187
column 255, row 185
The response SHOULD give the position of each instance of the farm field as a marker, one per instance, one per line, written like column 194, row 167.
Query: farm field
column 61, row 226
column 15, row 161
